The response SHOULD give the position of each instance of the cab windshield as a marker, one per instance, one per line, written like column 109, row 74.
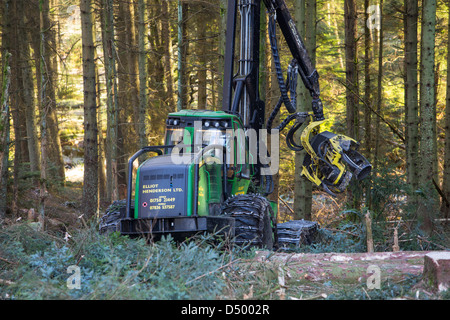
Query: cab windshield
column 214, row 136
column 202, row 138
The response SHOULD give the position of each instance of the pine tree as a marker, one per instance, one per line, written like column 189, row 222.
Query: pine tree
column 109, row 56
column 379, row 99
column 367, row 80
column 411, row 93
column 305, row 14
column 201, row 60
column 90, row 180
column 55, row 166
column 351, row 71
column 142, row 63
column 4, row 131
column 427, row 208
column 445, row 207
column 28, row 94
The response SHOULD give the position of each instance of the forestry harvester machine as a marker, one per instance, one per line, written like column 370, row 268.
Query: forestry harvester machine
column 214, row 171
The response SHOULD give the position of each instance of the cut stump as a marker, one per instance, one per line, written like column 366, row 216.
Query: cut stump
column 436, row 271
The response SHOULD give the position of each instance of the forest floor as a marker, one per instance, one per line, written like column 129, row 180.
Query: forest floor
column 282, row 275
column 380, row 275
column 250, row 274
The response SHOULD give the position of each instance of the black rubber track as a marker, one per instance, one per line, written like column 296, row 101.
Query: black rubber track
column 255, row 222
column 110, row 221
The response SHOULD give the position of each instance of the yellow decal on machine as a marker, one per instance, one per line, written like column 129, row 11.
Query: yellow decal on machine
column 160, row 202
column 153, row 188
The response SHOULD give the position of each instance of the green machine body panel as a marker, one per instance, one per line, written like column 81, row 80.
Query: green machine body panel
column 162, row 188
column 166, row 188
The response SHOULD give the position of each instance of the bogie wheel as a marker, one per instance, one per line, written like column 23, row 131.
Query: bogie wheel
column 255, row 222
column 110, row 221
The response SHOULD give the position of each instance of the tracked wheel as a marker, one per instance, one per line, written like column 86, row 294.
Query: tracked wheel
column 297, row 232
column 110, row 221
column 255, row 222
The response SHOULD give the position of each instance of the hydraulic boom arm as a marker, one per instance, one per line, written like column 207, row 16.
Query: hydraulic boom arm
column 308, row 73
column 328, row 154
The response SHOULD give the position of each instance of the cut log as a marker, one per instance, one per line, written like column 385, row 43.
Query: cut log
column 436, row 271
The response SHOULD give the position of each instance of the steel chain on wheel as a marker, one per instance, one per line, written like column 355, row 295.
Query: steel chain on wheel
column 110, row 221
column 255, row 222
column 297, row 232
column 251, row 225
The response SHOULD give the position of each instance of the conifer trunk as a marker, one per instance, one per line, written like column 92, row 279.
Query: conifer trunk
column 4, row 132
column 351, row 68
column 167, row 47
column 90, row 180
column 411, row 93
column 44, row 106
column 53, row 149
column 379, row 88
column 109, row 54
column 445, row 206
column 367, row 81
column 29, row 97
column 305, row 14
column 427, row 116
column 201, row 62
column 142, row 63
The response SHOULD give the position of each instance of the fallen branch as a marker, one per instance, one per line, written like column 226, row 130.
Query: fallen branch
column 213, row 271
column 6, row 282
column 287, row 206
column 6, row 260
column 441, row 193
column 343, row 231
column 430, row 242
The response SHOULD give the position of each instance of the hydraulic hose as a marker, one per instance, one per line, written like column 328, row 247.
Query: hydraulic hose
column 291, row 83
column 289, row 103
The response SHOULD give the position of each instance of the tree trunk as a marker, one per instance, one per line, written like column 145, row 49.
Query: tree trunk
column 44, row 104
column 222, row 44
column 368, row 99
column 181, row 64
column 90, row 180
column 54, row 152
column 125, row 109
column 411, row 94
column 305, row 14
column 4, row 107
column 142, row 62
column 185, row 50
column 367, row 81
column 29, row 97
column 167, row 47
column 100, row 138
column 201, row 61
column 427, row 116
column 351, row 61
column 379, row 88
column 109, row 54
column 133, row 73
column 271, row 96
column 16, row 101
column 4, row 132
column 445, row 206
column 158, row 109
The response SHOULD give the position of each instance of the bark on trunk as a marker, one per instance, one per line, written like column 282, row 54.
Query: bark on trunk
column 90, row 180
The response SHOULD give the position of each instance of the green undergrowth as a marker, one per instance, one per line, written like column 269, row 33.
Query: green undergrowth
column 38, row 265
column 35, row 265
column 411, row 287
